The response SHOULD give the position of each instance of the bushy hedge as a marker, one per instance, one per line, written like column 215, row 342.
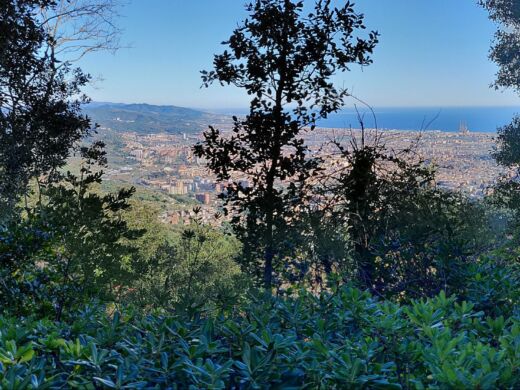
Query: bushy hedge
column 343, row 339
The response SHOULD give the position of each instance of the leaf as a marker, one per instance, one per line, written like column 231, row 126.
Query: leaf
column 105, row 382
column 26, row 356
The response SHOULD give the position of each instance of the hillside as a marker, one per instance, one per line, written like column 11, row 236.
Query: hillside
column 146, row 118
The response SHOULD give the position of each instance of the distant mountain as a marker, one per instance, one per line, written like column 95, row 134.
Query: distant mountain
column 147, row 118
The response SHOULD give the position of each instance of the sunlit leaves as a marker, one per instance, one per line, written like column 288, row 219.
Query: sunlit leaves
column 343, row 339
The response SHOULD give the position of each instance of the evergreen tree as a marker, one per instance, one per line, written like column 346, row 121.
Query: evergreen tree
column 505, row 52
column 284, row 59
column 40, row 117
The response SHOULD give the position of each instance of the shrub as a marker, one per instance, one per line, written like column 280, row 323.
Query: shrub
column 194, row 267
column 341, row 339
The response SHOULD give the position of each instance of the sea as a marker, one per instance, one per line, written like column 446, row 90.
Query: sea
column 476, row 119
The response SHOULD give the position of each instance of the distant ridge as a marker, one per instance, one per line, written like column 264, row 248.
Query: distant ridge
column 147, row 118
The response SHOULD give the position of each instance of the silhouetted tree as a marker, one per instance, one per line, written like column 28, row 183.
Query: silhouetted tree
column 369, row 192
column 40, row 117
column 284, row 59
column 505, row 52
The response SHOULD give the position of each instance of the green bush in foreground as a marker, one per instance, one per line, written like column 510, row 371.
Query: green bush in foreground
column 344, row 339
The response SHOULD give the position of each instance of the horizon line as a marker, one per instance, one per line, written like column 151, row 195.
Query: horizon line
column 344, row 107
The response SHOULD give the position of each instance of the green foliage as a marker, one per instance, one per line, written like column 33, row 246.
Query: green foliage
column 88, row 231
column 193, row 268
column 191, row 319
column 72, row 246
column 343, row 339
column 507, row 151
column 40, row 101
column 22, row 279
column 143, row 215
column 285, row 58
column 504, row 52
column 493, row 283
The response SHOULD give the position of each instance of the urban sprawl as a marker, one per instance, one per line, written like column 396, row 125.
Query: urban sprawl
column 166, row 162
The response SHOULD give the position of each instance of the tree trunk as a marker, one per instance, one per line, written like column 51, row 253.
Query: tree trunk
column 269, row 252
column 366, row 266
column 268, row 268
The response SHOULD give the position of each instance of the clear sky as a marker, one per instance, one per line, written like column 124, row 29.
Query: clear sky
column 431, row 53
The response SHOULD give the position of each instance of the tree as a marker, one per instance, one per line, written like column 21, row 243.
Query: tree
column 88, row 233
column 193, row 269
column 40, row 118
column 284, row 59
column 76, row 245
column 40, row 93
column 79, row 27
column 369, row 189
column 505, row 52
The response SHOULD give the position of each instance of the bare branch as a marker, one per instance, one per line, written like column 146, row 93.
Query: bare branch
column 80, row 27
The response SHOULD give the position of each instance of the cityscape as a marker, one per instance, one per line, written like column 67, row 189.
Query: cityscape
column 166, row 163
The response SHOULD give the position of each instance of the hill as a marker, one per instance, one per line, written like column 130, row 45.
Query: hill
column 147, row 118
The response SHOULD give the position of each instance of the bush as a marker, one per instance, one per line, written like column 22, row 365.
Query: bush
column 193, row 267
column 25, row 286
column 493, row 285
column 341, row 339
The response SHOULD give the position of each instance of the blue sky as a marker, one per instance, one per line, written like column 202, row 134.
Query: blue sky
column 431, row 53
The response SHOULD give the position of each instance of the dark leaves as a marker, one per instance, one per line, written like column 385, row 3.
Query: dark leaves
column 284, row 59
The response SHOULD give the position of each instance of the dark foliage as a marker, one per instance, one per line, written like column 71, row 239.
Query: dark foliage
column 429, row 243
column 378, row 220
column 371, row 195
column 40, row 117
column 284, row 59
column 507, row 151
column 22, row 279
column 506, row 54
column 506, row 48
